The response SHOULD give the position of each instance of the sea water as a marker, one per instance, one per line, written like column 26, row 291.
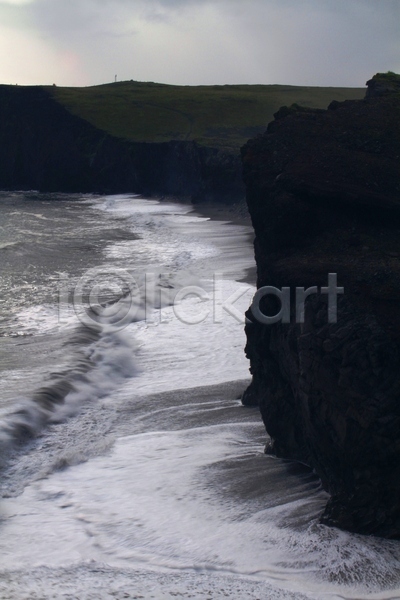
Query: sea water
column 130, row 469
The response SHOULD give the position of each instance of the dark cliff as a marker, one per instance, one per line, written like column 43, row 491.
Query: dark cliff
column 323, row 191
column 45, row 147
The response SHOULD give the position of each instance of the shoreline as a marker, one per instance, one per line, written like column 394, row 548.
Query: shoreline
column 235, row 214
column 169, row 493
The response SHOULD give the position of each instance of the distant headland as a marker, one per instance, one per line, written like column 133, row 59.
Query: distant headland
column 140, row 137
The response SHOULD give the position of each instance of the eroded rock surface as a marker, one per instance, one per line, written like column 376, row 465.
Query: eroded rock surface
column 323, row 191
column 46, row 148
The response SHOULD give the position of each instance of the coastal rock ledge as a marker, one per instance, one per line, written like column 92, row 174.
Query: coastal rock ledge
column 323, row 191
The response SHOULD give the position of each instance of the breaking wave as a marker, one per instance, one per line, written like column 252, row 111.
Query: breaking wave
column 102, row 356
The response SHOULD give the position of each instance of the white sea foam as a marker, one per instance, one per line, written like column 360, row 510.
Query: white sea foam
column 103, row 358
column 192, row 494
column 42, row 318
column 172, row 490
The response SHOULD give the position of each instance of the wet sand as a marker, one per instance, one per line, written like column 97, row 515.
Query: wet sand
column 179, row 410
column 236, row 214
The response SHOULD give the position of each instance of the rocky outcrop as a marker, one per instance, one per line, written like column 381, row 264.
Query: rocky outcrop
column 323, row 191
column 382, row 84
column 44, row 147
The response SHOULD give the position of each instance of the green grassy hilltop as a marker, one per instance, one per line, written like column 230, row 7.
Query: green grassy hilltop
column 223, row 116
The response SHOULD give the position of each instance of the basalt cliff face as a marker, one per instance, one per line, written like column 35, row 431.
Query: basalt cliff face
column 44, row 147
column 323, row 191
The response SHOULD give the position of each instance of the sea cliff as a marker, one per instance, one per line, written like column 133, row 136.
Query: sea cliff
column 47, row 148
column 323, row 191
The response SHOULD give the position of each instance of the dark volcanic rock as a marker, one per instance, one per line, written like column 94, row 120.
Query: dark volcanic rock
column 44, row 147
column 323, row 191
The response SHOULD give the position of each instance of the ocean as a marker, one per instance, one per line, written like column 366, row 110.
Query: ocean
column 129, row 467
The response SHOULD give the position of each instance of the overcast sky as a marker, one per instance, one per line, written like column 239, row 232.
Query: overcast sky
column 298, row 42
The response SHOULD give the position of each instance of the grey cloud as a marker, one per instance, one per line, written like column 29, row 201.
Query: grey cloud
column 312, row 42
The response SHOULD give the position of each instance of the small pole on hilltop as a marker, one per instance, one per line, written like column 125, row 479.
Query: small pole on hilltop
column 115, row 81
